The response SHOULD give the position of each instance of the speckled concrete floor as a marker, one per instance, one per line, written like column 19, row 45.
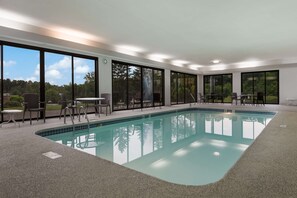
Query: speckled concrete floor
column 268, row 168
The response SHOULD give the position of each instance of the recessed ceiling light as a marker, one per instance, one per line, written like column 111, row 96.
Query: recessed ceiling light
column 215, row 61
column 129, row 50
column 179, row 63
column 158, row 57
column 195, row 66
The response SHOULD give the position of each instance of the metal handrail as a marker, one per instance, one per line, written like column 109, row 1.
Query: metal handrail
column 193, row 98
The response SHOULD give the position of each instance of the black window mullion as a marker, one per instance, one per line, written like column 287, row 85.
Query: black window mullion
column 141, row 87
column 153, row 87
column 42, row 79
column 72, row 77
column 96, row 78
column 1, row 70
column 127, row 84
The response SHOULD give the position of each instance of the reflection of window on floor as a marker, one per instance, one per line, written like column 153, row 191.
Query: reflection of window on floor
column 218, row 125
column 252, row 127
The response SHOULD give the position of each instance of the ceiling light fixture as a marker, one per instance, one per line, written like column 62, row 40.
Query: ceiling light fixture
column 128, row 49
column 158, row 57
column 215, row 61
column 195, row 66
column 179, row 63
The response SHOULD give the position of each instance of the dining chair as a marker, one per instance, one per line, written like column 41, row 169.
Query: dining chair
column 157, row 100
column 105, row 103
column 235, row 97
column 67, row 104
column 32, row 104
column 201, row 98
column 260, row 97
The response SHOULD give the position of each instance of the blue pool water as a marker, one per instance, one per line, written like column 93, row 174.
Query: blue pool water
column 193, row 147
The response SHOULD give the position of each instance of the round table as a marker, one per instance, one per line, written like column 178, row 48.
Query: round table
column 11, row 113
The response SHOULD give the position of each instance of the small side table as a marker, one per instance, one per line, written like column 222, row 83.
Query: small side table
column 11, row 113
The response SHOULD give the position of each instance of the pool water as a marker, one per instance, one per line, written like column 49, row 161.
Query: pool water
column 188, row 147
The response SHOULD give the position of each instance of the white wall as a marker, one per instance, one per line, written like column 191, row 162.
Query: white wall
column 105, row 85
column 167, row 87
column 287, row 83
column 236, row 82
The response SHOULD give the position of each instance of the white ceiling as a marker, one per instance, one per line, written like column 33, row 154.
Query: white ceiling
column 241, row 33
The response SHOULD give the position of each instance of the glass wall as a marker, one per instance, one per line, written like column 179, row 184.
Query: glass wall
column 69, row 76
column 147, row 82
column 136, row 86
column 183, row 88
column 218, row 88
column 48, row 73
column 266, row 82
column 158, row 87
column 119, row 85
column 21, row 74
column 58, row 80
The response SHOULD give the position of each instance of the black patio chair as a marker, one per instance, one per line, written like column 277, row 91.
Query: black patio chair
column 32, row 104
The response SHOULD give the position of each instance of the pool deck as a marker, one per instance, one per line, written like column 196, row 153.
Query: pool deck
column 268, row 168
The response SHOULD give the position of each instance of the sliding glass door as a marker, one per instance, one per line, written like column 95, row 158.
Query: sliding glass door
column 21, row 74
column 46, row 72
column 136, row 86
column 266, row 82
column 218, row 88
column 183, row 88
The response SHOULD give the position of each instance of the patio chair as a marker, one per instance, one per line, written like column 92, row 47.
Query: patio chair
column 105, row 103
column 157, row 100
column 260, row 97
column 235, row 97
column 201, row 98
column 136, row 100
column 67, row 104
column 32, row 104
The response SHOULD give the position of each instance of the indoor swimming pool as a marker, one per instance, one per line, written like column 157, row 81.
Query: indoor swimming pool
column 189, row 147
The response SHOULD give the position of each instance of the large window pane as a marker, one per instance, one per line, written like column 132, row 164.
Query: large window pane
column 84, row 79
column 147, row 81
column 119, row 86
column 183, row 88
column 259, row 82
column 134, row 87
column 58, row 81
column 20, row 75
column 218, row 88
column 227, row 87
column 158, row 88
column 173, row 87
column 272, row 89
column 191, row 90
column 266, row 82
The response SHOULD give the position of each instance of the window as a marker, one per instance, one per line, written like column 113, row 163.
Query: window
column 21, row 74
column 58, row 80
column 136, row 86
column 218, row 88
column 49, row 73
column 266, row 82
column 69, row 76
column 183, row 88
